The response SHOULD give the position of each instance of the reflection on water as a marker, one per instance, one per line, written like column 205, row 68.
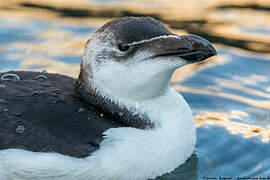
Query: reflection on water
column 229, row 94
column 246, row 129
column 43, row 45
column 257, row 30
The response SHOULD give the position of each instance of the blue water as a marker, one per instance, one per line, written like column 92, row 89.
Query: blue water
column 221, row 153
column 259, row 30
column 230, row 100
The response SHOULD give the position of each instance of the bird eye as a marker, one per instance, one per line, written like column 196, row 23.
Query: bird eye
column 123, row 47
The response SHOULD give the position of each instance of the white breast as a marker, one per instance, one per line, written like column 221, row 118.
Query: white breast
column 143, row 154
column 126, row 153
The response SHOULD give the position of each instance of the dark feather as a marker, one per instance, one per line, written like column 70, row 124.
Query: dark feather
column 48, row 116
column 133, row 29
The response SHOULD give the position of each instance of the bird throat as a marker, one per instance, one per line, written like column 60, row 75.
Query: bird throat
column 119, row 113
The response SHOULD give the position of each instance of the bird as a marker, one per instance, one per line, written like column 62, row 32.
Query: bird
column 119, row 120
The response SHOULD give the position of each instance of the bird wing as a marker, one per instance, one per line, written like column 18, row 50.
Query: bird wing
column 41, row 112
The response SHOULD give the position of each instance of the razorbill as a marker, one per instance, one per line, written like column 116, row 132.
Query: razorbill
column 120, row 120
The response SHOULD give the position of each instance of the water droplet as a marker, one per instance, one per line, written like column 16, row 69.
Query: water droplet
column 41, row 78
column 88, row 118
column 80, row 110
column 120, row 114
column 2, row 101
column 10, row 77
column 35, row 93
column 18, row 113
column 54, row 102
column 5, row 110
column 101, row 115
column 20, row 129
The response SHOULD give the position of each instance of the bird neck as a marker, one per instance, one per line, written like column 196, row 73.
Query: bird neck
column 135, row 83
column 89, row 93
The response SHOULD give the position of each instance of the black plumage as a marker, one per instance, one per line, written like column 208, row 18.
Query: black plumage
column 49, row 116
column 133, row 29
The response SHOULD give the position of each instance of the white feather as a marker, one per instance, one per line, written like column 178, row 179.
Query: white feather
column 155, row 38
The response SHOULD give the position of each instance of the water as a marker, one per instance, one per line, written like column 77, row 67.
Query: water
column 229, row 94
column 233, row 137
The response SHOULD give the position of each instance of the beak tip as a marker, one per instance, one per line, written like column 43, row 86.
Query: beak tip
column 213, row 50
column 200, row 44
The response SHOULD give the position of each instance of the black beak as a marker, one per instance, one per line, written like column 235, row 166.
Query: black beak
column 193, row 48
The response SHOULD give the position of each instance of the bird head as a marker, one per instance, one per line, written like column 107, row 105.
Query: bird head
column 133, row 58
